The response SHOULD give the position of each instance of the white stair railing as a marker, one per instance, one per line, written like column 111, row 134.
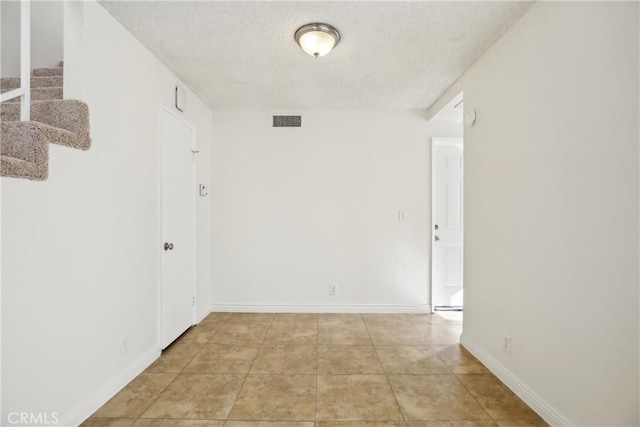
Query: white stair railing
column 24, row 91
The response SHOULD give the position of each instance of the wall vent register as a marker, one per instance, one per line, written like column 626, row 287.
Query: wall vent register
column 287, row 121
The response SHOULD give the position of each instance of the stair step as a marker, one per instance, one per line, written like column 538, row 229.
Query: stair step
column 24, row 150
column 9, row 83
column 39, row 81
column 41, row 93
column 46, row 93
column 66, row 115
column 47, row 72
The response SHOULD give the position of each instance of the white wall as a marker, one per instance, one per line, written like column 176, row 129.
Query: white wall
column 47, row 43
column 81, row 250
column 299, row 209
column 551, row 210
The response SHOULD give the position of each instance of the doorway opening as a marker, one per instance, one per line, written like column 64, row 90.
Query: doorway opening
column 447, row 167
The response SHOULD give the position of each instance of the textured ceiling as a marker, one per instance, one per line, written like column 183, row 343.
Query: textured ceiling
column 395, row 54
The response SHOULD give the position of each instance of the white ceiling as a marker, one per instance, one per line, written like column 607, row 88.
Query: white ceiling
column 393, row 54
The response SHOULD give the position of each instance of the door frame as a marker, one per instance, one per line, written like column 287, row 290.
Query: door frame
column 160, row 239
column 441, row 141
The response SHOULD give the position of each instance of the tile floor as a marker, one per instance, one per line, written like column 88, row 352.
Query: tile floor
column 324, row 370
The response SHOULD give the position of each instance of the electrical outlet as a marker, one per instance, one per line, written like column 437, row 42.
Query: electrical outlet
column 506, row 344
column 123, row 347
column 333, row 290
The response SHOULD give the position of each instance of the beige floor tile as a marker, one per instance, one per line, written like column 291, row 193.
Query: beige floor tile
column 216, row 317
column 288, row 333
column 295, row 318
column 283, row 353
column 405, row 334
column 435, row 397
column 223, row 359
column 108, row 422
column 459, row 360
column 214, row 321
column 286, row 359
column 198, row 335
column 355, row 397
column 249, row 318
column 175, row 358
column 269, row 424
column 133, row 399
column 443, row 335
column 411, row 360
column 200, row 396
column 396, row 319
column 276, row 397
column 382, row 326
column 154, row 422
column 210, row 327
column 340, row 318
column 360, row 424
column 499, row 402
column 445, row 318
column 240, row 334
column 343, row 333
column 328, row 335
column 416, row 317
column 348, row 359
column 451, row 424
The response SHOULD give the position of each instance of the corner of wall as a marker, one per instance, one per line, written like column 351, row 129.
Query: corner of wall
column 520, row 388
column 108, row 390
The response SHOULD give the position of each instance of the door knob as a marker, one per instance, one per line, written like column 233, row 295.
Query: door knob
column 168, row 246
column 436, row 238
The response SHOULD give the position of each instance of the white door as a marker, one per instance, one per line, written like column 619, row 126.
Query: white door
column 446, row 227
column 178, row 232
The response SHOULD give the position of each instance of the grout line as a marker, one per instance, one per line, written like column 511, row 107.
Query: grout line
column 156, row 398
column 386, row 375
column 244, row 380
column 227, row 320
column 170, row 382
column 474, row 398
column 463, row 385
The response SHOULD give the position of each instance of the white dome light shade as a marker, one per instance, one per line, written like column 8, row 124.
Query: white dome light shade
column 317, row 39
column 316, row 43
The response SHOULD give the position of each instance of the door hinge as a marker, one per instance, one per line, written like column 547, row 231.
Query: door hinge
column 193, row 300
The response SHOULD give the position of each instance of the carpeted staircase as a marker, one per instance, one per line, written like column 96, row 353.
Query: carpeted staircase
column 24, row 146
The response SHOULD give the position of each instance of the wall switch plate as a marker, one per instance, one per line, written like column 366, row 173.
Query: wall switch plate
column 402, row 215
column 204, row 190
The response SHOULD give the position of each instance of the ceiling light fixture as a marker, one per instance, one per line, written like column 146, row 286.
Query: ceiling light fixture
column 317, row 39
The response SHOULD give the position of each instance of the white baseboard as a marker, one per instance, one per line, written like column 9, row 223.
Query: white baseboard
column 522, row 390
column 347, row 308
column 106, row 392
